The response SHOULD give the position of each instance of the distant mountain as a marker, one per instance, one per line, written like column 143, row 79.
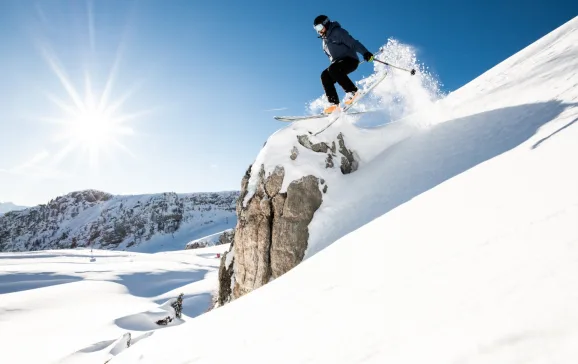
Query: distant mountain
column 146, row 223
column 9, row 206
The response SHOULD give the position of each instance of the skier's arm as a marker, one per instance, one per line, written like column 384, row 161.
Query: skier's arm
column 351, row 42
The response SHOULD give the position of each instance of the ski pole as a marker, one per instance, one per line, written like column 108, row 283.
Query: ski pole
column 412, row 71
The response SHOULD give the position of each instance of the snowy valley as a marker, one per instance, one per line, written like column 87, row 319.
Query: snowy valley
column 438, row 229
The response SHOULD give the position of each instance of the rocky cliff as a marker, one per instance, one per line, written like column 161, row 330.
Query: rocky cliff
column 165, row 221
column 274, row 211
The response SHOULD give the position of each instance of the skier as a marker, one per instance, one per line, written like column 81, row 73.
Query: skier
column 342, row 49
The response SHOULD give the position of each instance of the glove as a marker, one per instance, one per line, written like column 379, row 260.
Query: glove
column 368, row 57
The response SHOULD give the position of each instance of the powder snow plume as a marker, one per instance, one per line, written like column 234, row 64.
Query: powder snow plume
column 400, row 94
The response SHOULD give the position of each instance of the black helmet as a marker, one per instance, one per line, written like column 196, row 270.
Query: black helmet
column 321, row 19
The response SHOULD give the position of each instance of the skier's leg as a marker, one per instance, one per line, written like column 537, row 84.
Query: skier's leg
column 329, row 87
column 339, row 71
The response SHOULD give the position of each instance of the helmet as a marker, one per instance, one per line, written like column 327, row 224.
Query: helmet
column 321, row 19
column 320, row 23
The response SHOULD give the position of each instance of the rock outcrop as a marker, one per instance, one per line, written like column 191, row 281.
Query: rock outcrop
column 349, row 162
column 272, row 229
column 224, row 237
column 272, row 232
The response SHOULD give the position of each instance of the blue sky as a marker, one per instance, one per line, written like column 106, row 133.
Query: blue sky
column 198, row 79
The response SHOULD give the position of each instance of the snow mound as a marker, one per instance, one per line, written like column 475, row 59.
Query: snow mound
column 147, row 320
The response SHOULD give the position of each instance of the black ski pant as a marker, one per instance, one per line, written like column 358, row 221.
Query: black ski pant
column 337, row 72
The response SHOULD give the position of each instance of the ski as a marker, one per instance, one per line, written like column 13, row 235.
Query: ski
column 347, row 107
column 308, row 117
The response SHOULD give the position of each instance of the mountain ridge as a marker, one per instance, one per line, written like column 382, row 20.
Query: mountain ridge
column 96, row 219
column 9, row 206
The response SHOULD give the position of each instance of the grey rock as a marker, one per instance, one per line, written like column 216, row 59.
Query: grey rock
column 290, row 229
column 348, row 162
column 275, row 181
column 272, row 231
column 304, row 141
column 294, row 153
column 329, row 161
column 317, row 147
column 225, row 278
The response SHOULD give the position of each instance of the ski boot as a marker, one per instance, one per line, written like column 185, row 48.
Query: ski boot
column 331, row 108
column 351, row 97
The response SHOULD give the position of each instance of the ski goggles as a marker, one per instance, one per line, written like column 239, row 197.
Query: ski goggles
column 319, row 27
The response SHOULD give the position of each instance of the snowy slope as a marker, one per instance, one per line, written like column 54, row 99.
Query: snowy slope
column 144, row 223
column 75, row 306
column 458, row 239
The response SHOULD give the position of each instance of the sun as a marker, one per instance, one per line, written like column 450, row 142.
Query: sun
column 90, row 125
column 89, row 109
column 92, row 129
column 92, row 122
column 95, row 129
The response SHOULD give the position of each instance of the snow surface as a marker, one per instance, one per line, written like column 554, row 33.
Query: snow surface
column 457, row 236
column 456, row 241
column 78, row 306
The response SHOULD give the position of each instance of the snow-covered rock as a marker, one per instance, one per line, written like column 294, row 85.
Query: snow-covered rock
column 271, row 237
column 165, row 221
column 220, row 238
column 297, row 175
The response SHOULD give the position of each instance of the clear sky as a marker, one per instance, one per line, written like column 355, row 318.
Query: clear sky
column 146, row 96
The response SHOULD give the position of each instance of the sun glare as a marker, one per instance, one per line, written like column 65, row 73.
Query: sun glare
column 89, row 126
column 95, row 130
column 91, row 122
column 92, row 129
